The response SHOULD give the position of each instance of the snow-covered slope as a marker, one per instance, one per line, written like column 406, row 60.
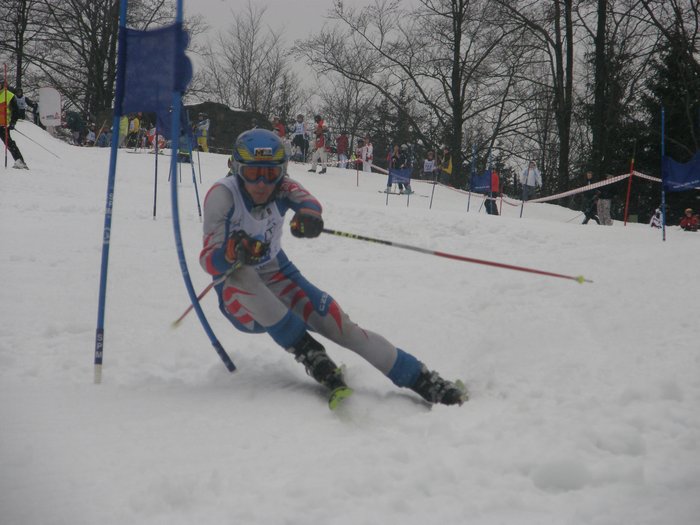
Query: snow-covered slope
column 585, row 398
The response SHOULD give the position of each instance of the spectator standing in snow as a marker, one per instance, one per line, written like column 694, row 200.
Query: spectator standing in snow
column 605, row 196
column 243, row 226
column 202, row 132
column 367, row 154
column 430, row 166
column 8, row 118
column 299, row 137
column 132, row 140
column 23, row 103
column 321, row 133
column 590, row 205
column 445, row 173
column 342, row 144
column 279, row 128
column 490, row 205
column 530, row 179
column 357, row 155
column 91, row 135
column 123, row 130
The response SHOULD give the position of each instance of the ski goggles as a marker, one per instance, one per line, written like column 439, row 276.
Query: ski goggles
column 266, row 174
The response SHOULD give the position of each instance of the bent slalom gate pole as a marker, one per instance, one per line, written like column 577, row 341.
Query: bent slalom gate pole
column 578, row 278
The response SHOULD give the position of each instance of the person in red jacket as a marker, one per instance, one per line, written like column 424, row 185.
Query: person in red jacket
column 320, row 131
column 342, row 146
column 491, row 206
column 690, row 221
column 279, row 128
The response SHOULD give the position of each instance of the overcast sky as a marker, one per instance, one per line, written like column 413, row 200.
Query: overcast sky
column 296, row 18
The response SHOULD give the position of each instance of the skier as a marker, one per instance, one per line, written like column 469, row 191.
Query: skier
column 263, row 291
column 8, row 118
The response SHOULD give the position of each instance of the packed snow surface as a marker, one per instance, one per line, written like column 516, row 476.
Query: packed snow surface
column 584, row 401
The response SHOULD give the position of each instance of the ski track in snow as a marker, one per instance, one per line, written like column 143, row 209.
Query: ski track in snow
column 584, row 398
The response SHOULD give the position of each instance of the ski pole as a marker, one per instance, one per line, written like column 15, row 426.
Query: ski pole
column 576, row 217
column 35, row 142
column 578, row 278
column 199, row 165
column 204, row 292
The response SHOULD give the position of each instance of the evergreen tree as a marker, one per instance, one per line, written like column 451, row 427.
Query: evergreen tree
column 675, row 87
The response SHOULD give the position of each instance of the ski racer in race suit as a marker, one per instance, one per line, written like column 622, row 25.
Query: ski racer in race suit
column 263, row 291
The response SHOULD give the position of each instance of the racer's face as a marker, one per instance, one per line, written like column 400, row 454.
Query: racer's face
column 259, row 192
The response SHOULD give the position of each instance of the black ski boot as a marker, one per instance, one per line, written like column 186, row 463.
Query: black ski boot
column 434, row 389
column 313, row 356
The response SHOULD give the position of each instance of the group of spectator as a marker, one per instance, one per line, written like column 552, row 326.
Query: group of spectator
column 690, row 221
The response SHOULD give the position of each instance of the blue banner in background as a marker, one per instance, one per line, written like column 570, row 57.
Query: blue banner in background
column 677, row 176
column 481, row 183
column 402, row 175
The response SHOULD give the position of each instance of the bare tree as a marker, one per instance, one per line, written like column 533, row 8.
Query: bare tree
column 347, row 104
column 550, row 24
column 443, row 55
column 620, row 51
column 247, row 67
column 678, row 20
column 20, row 27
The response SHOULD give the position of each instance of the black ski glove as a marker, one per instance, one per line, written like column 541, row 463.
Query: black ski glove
column 306, row 224
column 242, row 248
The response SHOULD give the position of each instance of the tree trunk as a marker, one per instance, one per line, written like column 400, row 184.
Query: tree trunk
column 598, row 127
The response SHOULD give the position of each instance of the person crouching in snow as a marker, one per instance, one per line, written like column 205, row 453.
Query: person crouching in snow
column 655, row 221
column 264, row 292
column 690, row 221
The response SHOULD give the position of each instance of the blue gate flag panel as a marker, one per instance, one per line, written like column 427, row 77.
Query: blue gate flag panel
column 481, row 183
column 679, row 176
column 402, row 175
column 155, row 65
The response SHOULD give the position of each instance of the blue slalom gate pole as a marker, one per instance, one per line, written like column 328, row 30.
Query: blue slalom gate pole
column 194, row 181
column 473, row 175
column 663, row 190
column 106, row 233
column 155, row 176
column 176, row 220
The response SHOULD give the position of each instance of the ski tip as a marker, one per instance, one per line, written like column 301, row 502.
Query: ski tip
column 338, row 395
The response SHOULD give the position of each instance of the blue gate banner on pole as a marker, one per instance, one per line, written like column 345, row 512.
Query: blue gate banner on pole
column 155, row 65
column 481, row 183
column 677, row 176
column 402, row 175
